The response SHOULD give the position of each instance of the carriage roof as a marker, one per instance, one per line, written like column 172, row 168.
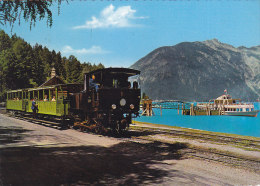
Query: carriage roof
column 46, row 87
column 126, row 71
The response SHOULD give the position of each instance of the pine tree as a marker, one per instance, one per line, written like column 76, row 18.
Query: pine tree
column 5, row 41
column 24, row 66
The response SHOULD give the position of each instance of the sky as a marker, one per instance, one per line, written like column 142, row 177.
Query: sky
column 119, row 33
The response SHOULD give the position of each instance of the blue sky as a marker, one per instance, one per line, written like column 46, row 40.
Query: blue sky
column 118, row 33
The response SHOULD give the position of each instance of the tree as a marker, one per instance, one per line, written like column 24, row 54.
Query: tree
column 38, row 76
column 46, row 58
column 5, row 41
column 9, row 63
column 58, row 64
column 24, row 66
column 30, row 10
column 73, row 70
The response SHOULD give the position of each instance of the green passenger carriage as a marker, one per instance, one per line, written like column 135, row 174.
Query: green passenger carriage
column 51, row 100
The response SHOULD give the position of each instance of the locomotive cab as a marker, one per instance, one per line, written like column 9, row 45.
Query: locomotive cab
column 112, row 97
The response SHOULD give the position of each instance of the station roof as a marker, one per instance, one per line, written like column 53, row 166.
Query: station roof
column 53, row 81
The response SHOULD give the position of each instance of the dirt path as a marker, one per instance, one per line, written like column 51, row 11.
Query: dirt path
column 31, row 154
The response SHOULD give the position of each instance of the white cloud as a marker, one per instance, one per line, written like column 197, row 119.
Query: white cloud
column 111, row 17
column 92, row 50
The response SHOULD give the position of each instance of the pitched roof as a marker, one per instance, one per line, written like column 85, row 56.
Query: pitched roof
column 53, row 81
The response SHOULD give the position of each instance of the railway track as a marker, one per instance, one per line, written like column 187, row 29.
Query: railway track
column 212, row 155
column 228, row 159
column 220, row 138
column 57, row 124
column 245, row 142
column 53, row 124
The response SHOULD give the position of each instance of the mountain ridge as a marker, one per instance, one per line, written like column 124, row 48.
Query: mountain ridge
column 200, row 71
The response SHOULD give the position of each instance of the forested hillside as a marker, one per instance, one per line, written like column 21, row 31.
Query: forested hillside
column 24, row 66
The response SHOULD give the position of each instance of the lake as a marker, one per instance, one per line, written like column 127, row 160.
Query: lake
column 242, row 125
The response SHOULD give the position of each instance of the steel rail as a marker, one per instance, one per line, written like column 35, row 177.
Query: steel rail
column 213, row 137
column 212, row 155
column 55, row 125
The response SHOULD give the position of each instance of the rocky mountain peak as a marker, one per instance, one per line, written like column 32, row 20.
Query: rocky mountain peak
column 216, row 45
column 200, row 71
column 212, row 42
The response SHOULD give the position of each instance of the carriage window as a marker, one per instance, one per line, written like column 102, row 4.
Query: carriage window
column 31, row 95
column 36, row 95
column 18, row 96
column 45, row 95
column 25, row 95
column 53, row 95
column 15, row 95
column 40, row 95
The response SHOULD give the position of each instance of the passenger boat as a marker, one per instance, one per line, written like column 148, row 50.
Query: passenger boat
column 234, row 107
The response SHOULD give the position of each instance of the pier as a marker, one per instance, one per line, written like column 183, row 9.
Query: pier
column 148, row 105
column 185, row 108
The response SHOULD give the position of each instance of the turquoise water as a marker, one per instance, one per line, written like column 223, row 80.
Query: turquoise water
column 242, row 125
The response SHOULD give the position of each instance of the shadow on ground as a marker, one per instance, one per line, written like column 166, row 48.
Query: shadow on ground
column 130, row 133
column 11, row 134
column 125, row 163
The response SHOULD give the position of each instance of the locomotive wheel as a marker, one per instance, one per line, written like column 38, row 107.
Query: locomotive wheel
column 99, row 128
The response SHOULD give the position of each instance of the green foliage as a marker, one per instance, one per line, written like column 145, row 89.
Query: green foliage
column 73, row 70
column 33, row 83
column 30, row 10
column 24, row 66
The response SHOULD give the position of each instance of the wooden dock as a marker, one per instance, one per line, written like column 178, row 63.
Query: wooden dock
column 185, row 108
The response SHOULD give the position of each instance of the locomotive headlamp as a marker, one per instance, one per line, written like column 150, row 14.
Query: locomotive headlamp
column 122, row 102
column 113, row 106
column 132, row 106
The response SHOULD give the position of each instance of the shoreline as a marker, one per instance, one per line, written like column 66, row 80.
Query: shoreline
column 155, row 125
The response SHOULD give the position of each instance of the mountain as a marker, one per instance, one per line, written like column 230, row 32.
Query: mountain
column 200, row 71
